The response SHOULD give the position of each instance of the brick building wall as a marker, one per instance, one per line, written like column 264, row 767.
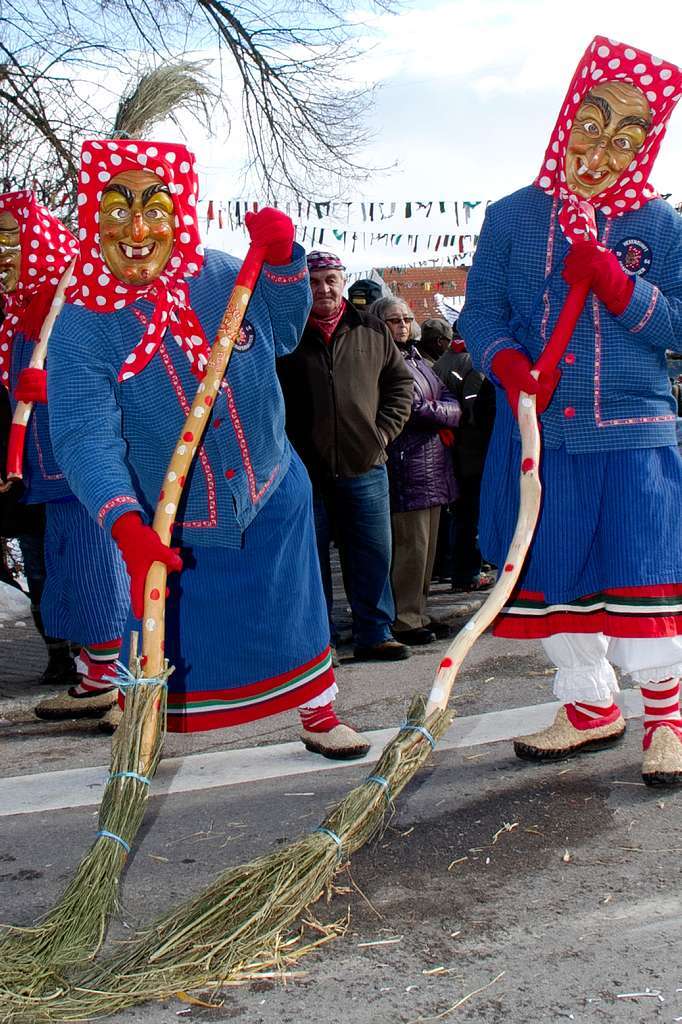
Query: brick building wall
column 417, row 285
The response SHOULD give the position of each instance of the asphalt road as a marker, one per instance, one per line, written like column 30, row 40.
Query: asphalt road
column 499, row 891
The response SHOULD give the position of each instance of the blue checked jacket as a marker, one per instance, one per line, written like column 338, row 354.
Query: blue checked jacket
column 614, row 391
column 114, row 440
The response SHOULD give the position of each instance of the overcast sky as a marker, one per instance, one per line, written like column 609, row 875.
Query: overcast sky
column 471, row 90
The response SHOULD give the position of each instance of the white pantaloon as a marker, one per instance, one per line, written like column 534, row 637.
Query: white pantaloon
column 584, row 662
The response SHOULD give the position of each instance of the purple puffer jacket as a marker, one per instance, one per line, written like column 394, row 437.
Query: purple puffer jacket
column 420, row 467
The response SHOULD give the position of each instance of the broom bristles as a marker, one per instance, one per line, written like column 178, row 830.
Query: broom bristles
column 163, row 93
column 239, row 920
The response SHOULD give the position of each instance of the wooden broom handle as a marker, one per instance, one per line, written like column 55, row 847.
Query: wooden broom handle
column 529, row 509
column 153, row 619
column 22, row 412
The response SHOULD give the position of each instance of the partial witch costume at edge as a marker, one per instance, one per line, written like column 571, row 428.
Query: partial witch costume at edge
column 246, row 627
column 603, row 582
column 84, row 596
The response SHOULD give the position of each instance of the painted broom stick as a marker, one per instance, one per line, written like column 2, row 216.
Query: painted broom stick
column 529, row 509
column 22, row 413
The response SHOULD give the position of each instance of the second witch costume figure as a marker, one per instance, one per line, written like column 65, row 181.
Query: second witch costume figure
column 603, row 583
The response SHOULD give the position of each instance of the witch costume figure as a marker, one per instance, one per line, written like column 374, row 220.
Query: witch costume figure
column 246, row 624
column 603, row 583
column 76, row 576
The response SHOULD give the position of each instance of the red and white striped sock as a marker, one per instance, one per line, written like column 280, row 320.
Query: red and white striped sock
column 661, row 707
column 582, row 715
column 97, row 668
column 319, row 719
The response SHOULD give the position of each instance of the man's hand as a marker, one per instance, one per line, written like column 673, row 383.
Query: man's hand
column 140, row 547
column 273, row 231
column 31, row 386
column 609, row 282
column 512, row 369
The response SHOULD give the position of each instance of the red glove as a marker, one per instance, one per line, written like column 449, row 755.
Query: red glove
column 512, row 369
column 31, row 386
column 600, row 266
column 140, row 546
column 447, row 436
column 274, row 232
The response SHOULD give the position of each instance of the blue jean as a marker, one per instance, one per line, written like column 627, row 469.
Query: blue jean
column 356, row 514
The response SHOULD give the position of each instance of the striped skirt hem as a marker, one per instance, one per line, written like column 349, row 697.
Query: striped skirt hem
column 636, row 612
column 202, row 710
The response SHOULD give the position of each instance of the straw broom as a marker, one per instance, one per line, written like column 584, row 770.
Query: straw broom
column 241, row 917
column 75, row 928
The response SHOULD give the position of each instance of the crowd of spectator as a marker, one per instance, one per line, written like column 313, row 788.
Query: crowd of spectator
column 392, row 423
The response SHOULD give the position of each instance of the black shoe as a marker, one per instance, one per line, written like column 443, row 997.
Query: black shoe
column 59, row 672
column 389, row 650
column 484, row 581
column 416, row 637
column 440, row 630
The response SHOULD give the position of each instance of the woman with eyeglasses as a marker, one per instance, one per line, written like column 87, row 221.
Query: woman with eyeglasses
column 421, row 480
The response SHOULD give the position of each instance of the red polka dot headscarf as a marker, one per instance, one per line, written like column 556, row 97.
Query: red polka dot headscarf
column 47, row 247
column 95, row 286
column 608, row 61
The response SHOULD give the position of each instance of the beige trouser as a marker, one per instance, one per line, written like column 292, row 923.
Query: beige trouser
column 415, row 535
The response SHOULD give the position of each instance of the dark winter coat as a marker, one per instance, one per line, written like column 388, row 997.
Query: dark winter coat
column 476, row 395
column 345, row 400
column 420, row 469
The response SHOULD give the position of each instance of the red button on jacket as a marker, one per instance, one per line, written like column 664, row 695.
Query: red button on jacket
column 569, row 412
column 570, row 359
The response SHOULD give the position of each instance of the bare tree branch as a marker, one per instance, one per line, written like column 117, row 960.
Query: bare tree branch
column 303, row 120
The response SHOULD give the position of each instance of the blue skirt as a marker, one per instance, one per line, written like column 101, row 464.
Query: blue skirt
column 247, row 629
column 87, row 594
column 608, row 519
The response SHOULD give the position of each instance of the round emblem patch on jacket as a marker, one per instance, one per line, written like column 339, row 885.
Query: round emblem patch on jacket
column 634, row 256
column 247, row 336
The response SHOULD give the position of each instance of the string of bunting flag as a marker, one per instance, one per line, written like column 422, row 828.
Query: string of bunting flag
column 446, row 227
column 231, row 212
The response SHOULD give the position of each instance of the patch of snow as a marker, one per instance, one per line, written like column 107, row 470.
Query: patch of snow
column 14, row 605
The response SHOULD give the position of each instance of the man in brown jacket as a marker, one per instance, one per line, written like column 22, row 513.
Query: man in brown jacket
column 348, row 394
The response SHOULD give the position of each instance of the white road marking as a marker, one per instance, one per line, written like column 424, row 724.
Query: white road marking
column 83, row 787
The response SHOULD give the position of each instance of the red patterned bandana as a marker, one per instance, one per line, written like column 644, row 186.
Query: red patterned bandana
column 326, row 325
column 96, row 288
column 661, row 83
column 46, row 249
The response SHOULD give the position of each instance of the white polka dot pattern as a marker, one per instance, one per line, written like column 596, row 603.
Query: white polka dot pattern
column 47, row 247
column 95, row 288
column 608, row 61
